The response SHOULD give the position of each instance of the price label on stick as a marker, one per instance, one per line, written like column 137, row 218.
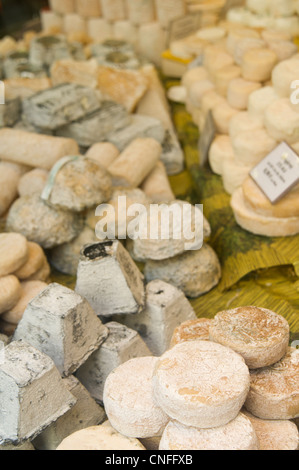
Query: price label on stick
column 278, row 173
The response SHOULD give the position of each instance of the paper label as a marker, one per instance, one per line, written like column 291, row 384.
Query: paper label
column 278, row 173
column 184, row 27
column 206, row 139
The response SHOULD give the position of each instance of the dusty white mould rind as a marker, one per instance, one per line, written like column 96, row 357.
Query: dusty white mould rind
column 47, row 49
column 84, row 414
column 61, row 324
column 140, row 127
column 274, row 391
column 98, row 125
column 129, row 401
column 110, row 280
column 181, row 227
column 201, row 384
column 29, row 381
column 259, row 335
column 194, row 272
column 80, row 185
column 238, row 434
column 166, row 307
column 191, row 330
column 43, row 224
column 57, row 106
column 121, row 345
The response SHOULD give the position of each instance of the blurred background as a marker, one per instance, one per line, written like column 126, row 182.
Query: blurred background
column 18, row 15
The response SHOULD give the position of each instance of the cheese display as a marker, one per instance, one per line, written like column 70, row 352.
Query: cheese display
column 149, row 227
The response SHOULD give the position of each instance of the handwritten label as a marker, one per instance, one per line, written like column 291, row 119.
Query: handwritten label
column 278, row 173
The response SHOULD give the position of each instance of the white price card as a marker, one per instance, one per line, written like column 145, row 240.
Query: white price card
column 278, row 173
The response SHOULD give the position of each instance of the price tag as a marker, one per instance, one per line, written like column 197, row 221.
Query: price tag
column 206, row 139
column 278, row 173
column 183, row 27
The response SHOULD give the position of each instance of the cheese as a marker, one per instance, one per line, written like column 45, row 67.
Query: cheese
column 157, row 186
column 125, row 31
column 283, row 49
column 239, row 434
column 36, row 259
column 222, row 114
column 234, row 174
column 63, row 6
column 51, row 21
column 221, row 150
column 257, row 201
column 257, row 64
column 152, row 41
column 259, row 347
column 193, row 75
column 209, row 100
column 282, row 122
column 246, row 45
column 129, row 400
column 140, row 11
column 97, row 438
column 194, row 369
column 260, row 225
column 83, row 73
column 224, row 76
column 74, row 23
column 236, row 35
column 274, row 390
column 251, row 147
column 99, row 29
column 88, row 9
column 169, row 10
column 212, row 34
column 191, row 330
column 258, row 6
column 215, row 58
column 283, row 76
column 281, row 8
column 270, row 35
column 10, row 292
column 243, row 122
column 239, row 91
column 197, row 91
column 9, row 180
column 104, row 153
column 289, row 25
column 113, row 10
column 259, row 100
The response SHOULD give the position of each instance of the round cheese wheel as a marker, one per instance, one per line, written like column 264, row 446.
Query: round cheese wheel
column 222, row 114
column 287, row 24
column 274, row 392
column 282, row 122
column 191, row 330
column 238, row 15
column 257, row 201
column 251, row 147
column 246, row 45
column 201, row 384
column 195, row 74
column 259, row 335
column 275, row 434
column 239, row 434
column 270, row 35
column 258, row 6
column 257, row 64
column 129, row 402
column 243, row 122
column 283, row 76
column 260, row 225
column 215, row 57
column 197, row 90
column 259, row 100
column 234, row 174
column 224, row 76
column 221, row 150
column 239, row 91
column 10, row 292
column 283, row 49
column 237, row 35
column 13, row 252
column 212, row 34
column 102, row 437
column 209, row 101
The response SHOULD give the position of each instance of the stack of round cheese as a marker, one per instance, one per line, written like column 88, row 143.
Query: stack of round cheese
column 245, row 82
column 24, row 272
column 255, row 213
column 217, row 388
column 280, row 15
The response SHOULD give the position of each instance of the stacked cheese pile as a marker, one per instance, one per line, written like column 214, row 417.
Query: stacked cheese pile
column 245, row 82
column 281, row 15
column 24, row 272
column 145, row 23
column 228, row 384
